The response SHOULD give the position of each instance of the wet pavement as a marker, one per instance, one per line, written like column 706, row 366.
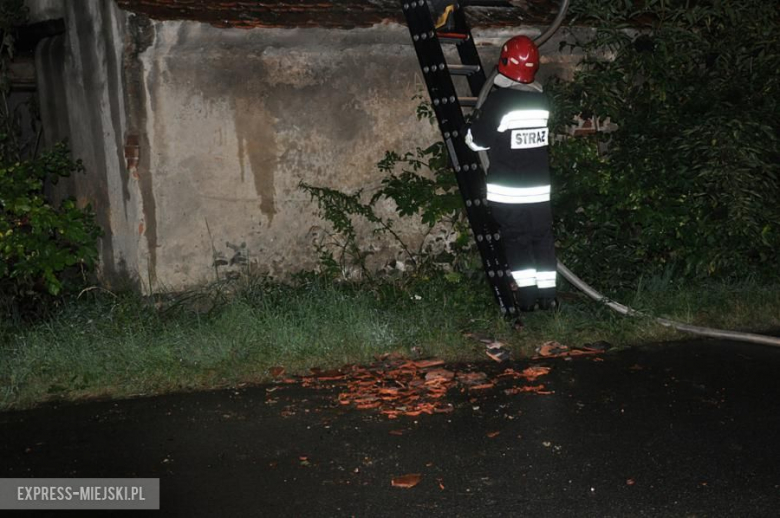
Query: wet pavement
column 688, row 429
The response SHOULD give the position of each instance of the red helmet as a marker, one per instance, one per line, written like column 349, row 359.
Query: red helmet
column 519, row 59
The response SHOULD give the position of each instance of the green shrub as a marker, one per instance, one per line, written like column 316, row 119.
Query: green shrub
column 689, row 181
column 40, row 242
column 421, row 185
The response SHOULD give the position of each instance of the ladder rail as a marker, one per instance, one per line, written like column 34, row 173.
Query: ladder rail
column 469, row 55
column 465, row 162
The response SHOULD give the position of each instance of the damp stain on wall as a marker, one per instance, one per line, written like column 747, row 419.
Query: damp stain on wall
column 257, row 151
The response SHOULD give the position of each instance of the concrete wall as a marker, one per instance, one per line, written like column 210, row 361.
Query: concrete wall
column 81, row 91
column 195, row 138
column 42, row 10
column 237, row 119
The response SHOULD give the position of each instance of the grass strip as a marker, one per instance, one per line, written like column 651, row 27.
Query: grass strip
column 104, row 345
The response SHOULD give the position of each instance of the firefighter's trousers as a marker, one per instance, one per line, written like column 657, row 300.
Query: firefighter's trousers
column 526, row 231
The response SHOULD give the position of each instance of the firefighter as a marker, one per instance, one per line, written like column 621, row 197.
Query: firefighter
column 512, row 127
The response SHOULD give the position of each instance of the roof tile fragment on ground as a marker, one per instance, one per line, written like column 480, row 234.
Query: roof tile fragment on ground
column 395, row 386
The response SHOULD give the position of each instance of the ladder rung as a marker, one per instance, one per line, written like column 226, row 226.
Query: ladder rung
column 463, row 70
column 467, row 101
column 452, row 37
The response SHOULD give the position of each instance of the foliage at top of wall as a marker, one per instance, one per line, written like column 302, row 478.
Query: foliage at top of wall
column 689, row 182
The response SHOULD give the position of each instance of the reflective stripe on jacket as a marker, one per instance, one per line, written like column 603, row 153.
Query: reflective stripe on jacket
column 531, row 277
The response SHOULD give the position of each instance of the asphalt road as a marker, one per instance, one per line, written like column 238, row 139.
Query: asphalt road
column 688, row 429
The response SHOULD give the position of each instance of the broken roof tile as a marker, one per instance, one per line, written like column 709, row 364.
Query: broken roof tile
column 407, row 481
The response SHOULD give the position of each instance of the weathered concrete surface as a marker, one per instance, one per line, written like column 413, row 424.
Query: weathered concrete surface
column 80, row 85
column 196, row 138
column 238, row 119
column 42, row 10
column 683, row 430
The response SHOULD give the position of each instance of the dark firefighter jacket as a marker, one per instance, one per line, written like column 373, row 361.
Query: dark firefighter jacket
column 512, row 127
